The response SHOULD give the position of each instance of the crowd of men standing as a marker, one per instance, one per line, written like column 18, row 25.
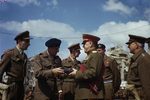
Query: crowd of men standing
column 97, row 77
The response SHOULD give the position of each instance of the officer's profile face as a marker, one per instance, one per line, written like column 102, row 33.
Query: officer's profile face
column 132, row 46
column 24, row 44
column 76, row 53
column 100, row 50
column 87, row 45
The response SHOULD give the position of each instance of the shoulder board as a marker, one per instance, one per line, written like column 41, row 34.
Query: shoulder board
column 32, row 58
column 65, row 59
column 94, row 51
column 8, row 52
column 40, row 54
column 111, row 58
column 143, row 54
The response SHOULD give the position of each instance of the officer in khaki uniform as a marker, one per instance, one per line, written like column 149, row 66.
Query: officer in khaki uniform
column 47, row 69
column 89, row 80
column 111, row 77
column 68, row 87
column 14, row 64
column 148, row 42
column 139, row 70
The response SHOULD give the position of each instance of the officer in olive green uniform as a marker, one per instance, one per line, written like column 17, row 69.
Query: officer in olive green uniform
column 47, row 69
column 88, row 78
column 111, row 77
column 68, row 87
column 139, row 70
column 14, row 64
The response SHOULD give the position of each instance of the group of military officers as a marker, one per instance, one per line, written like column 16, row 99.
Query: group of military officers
column 97, row 77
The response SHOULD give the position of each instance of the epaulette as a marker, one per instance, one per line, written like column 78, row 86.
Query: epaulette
column 32, row 58
column 8, row 52
column 94, row 51
column 64, row 59
column 40, row 53
column 111, row 58
column 143, row 54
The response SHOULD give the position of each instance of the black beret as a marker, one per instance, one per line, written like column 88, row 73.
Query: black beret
column 101, row 46
column 22, row 36
column 54, row 42
column 134, row 38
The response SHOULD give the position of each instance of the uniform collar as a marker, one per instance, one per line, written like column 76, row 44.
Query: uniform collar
column 135, row 56
column 18, row 55
column 46, row 54
column 20, row 51
column 71, row 58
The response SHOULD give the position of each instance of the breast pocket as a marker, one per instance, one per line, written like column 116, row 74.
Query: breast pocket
column 47, row 65
column 134, row 65
column 16, row 61
column 134, row 69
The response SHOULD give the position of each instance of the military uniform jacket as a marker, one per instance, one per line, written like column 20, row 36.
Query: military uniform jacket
column 14, row 64
column 46, row 85
column 68, row 62
column 93, row 64
column 112, row 72
column 69, row 82
column 139, row 72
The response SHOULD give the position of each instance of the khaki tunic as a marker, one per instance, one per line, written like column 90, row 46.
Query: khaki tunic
column 112, row 79
column 68, row 86
column 14, row 64
column 46, row 85
column 139, row 73
column 93, row 64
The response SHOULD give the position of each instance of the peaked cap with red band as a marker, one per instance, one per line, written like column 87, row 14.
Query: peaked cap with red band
column 88, row 37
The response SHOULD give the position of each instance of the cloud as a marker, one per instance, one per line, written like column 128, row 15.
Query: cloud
column 53, row 3
column 41, row 28
column 117, row 6
column 113, row 34
column 147, row 14
column 24, row 2
column 45, row 29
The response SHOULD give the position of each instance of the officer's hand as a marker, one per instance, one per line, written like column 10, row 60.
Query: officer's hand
column 29, row 95
column 57, row 71
column 73, row 73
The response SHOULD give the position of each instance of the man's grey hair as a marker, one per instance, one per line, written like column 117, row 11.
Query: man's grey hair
column 140, row 45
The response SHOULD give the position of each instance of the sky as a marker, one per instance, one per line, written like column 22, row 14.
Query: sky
column 68, row 20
